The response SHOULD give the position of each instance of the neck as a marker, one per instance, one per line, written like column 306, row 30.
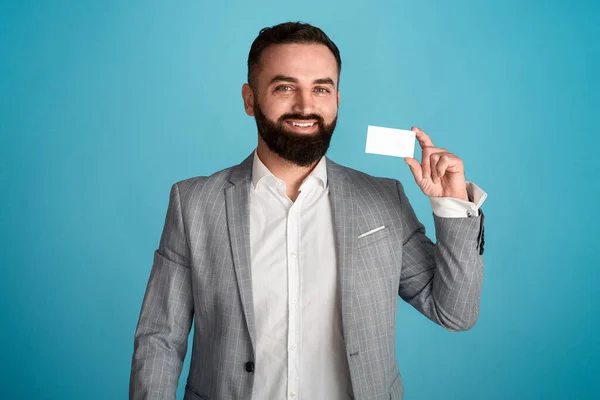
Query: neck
column 291, row 174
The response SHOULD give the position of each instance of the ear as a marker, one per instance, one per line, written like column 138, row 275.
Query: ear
column 248, row 96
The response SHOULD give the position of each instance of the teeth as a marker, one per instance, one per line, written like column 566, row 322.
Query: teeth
column 305, row 125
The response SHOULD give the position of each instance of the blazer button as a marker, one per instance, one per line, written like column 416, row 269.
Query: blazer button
column 250, row 366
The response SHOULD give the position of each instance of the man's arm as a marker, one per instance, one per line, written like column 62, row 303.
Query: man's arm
column 442, row 281
column 161, row 336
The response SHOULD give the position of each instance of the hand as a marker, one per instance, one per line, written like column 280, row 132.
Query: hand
column 441, row 174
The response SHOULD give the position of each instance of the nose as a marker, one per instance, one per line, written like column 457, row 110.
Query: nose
column 304, row 102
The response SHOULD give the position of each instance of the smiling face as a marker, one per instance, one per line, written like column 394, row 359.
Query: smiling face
column 294, row 100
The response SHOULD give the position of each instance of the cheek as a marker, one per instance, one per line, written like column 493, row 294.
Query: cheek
column 329, row 110
column 275, row 109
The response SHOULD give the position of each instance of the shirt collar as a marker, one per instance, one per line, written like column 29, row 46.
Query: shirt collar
column 260, row 170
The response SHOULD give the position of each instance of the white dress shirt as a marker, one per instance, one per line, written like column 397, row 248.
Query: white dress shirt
column 300, row 351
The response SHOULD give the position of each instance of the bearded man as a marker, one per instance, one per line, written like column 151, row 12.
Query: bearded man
column 290, row 264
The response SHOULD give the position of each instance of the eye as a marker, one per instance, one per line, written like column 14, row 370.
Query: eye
column 283, row 88
column 322, row 90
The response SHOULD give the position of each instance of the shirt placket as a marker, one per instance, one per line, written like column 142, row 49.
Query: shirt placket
column 293, row 245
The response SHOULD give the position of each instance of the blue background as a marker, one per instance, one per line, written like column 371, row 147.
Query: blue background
column 105, row 104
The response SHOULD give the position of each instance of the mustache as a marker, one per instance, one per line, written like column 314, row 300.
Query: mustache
column 302, row 117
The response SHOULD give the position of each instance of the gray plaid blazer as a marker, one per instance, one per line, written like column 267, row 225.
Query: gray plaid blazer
column 201, row 271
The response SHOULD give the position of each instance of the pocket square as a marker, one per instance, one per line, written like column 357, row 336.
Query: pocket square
column 372, row 231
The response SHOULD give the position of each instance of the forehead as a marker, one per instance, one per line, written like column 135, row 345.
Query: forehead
column 301, row 61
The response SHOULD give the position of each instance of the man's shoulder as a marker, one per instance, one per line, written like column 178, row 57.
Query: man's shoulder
column 373, row 194
column 361, row 178
column 199, row 182
column 217, row 180
column 208, row 188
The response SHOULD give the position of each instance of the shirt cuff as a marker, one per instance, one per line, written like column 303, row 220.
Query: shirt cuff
column 449, row 207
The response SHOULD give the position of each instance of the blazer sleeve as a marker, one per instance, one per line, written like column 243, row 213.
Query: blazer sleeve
column 161, row 337
column 442, row 280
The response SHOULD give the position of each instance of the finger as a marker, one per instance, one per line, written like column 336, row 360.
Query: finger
column 426, row 159
column 415, row 168
column 434, row 161
column 422, row 137
column 445, row 162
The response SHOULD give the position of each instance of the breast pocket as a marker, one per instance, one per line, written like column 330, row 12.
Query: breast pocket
column 372, row 236
column 376, row 257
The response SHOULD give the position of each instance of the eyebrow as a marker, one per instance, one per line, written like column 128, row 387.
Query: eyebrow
column 283, row 78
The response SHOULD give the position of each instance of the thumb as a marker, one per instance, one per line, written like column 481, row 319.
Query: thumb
column 415, row 168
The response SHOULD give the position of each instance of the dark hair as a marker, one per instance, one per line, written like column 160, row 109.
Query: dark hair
column 287, row 33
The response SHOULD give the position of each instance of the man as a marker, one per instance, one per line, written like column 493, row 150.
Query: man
column 291, row 264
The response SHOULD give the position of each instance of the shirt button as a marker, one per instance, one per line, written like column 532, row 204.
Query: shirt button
column 293, row 254
column 292, row 394
column 250, row 366
column 293, row 347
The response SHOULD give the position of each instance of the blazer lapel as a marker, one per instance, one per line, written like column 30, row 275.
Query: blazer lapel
column 237, row 198
column 344, row 218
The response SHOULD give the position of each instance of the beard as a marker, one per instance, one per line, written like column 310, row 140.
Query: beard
column 300, row 149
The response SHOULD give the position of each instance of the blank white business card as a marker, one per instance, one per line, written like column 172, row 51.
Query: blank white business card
column 390, row 141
